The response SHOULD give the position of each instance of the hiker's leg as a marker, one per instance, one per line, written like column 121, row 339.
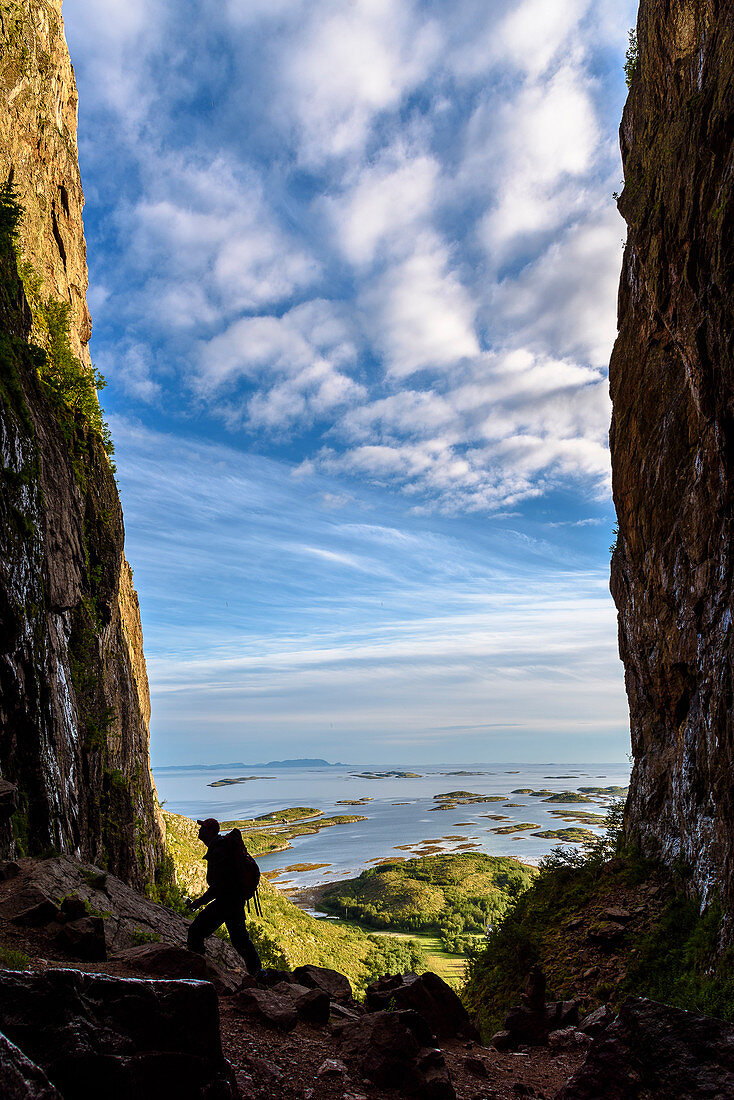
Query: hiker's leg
column 240, row 937
column 206, row 922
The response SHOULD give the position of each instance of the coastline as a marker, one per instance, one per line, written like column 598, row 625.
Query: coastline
column 396, row 813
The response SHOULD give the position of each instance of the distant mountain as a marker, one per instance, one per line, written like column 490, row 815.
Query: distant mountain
column 302, row 762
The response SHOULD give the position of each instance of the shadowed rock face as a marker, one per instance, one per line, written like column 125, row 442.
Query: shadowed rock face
column 74, row 704
column 658, row 1052
column 98, row 1036
column 672, row 437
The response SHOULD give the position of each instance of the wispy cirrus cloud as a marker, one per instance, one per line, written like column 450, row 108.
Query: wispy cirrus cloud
column 376, row 629
column 354, row 270
column 436, row 184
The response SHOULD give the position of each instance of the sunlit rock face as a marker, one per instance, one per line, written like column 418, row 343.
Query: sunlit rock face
column 74, row 704
column 672, row 438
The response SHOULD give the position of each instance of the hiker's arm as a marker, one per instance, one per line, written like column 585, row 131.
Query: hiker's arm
column 203, row 899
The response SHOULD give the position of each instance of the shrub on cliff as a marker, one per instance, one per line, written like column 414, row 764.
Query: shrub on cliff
column 10, row 214
column 71, row 387
column 666, row 948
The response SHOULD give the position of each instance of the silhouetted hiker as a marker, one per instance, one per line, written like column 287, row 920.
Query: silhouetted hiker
column 229, row 889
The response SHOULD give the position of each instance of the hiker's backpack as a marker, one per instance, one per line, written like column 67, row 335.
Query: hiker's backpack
column 246, row 872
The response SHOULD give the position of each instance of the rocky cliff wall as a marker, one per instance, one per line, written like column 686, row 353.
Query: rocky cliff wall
column 672, row 437
column 74, row 704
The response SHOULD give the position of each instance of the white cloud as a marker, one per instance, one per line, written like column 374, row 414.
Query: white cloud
column 117, row 39
column 137, row 374
column 384, row 205
column 566, row 301
column 533, row 154
column 209, row 223
column 427, row 185
column 509, row 426
column 533, row 33
column 408, row 412
column 346, row 65
column 422, row 315
column 298, row 360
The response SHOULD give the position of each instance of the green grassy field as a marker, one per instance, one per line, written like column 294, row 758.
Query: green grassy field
column 447, row 965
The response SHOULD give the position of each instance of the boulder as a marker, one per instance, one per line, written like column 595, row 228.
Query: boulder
column 294, row 990
column 73, row 908
column 568, row 1038
column 430, row 996
column 502, row 1040
column 658, row 1052
column 330, row 981
column 331, row 1067
column 615, row 913
column 607, row 933
column 9, row 869
column 20, row 1078
column 436, row 1079
column 271, row 1008
column 383, row 1047
column 271, row 977
column 475, row 1066
column 164, row 960
column 342, row 1012
column 533, row 1028
column 418, row 1026
column 95, row 1035
column 30, row 905
column 314, row 1006
column 83, row 939
column 596, row 1021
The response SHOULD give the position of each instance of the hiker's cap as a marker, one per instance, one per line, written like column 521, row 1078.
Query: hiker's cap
column 210, row 824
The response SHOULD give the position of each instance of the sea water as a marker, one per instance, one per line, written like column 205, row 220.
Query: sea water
column 400, row 811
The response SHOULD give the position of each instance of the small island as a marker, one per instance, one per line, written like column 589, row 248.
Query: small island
column 239, row 779
column 615, row 792
column 568, row 796
column 450, row 896
column 568, row 836
column 555, row 796
column 385, row 775
column 300, row 762
column 274, row 831
column 584, row 817
column 452, row 799
column 466, row 773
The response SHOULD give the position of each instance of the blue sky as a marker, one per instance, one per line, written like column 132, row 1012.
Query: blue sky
column 353, row 271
